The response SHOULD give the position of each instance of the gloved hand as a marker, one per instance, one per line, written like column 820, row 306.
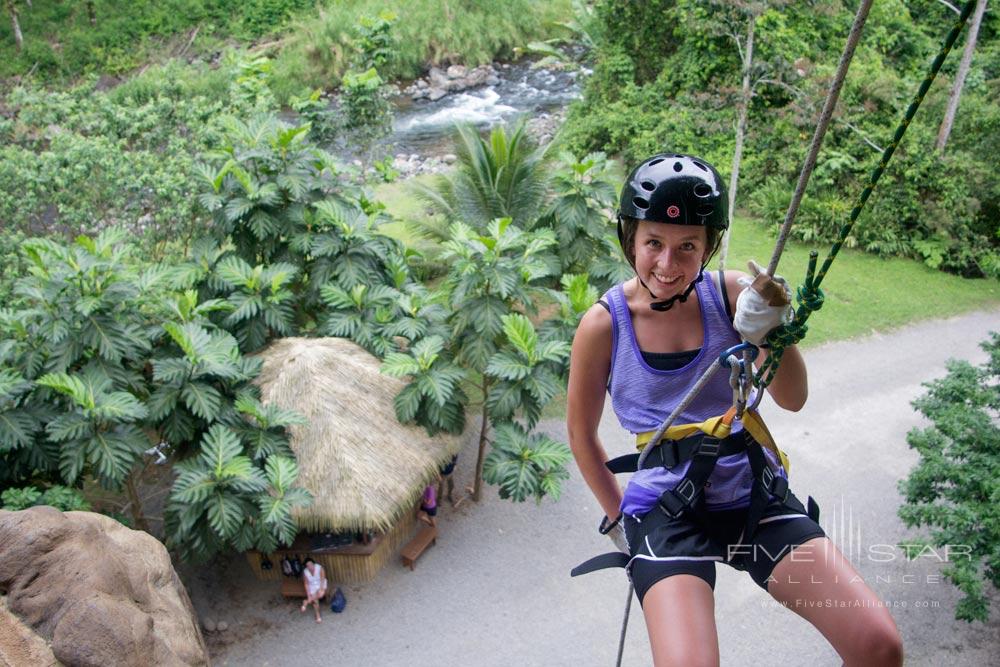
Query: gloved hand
column 764, row 305
column 616, row 531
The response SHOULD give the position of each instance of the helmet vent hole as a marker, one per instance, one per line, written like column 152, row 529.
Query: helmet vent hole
column 656, row 161
column 640, row 202
column 678, row 166
column 700, row 165
column 648, row 186
column 705, row 209
column 702, row 190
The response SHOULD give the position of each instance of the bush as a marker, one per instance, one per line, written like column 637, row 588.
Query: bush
column 955, row 488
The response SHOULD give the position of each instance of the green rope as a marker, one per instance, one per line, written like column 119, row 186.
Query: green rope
column 809, row 295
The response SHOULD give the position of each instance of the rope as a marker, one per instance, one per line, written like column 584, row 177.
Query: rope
column 686, row 401
column 621, row 637
column 810, row 296
column 824, row 122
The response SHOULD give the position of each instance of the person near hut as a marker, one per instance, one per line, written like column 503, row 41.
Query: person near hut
column 428, row 506
column 447, row 479
column 314, row 580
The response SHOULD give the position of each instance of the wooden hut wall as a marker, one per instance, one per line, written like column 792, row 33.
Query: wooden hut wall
column 341, row 568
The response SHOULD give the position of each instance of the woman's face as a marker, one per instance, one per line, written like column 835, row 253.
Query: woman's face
column 669, row 257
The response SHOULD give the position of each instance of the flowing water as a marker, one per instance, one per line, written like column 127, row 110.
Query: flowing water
column 426, row 128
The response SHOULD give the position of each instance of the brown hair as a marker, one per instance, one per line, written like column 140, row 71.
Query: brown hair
column 713, row 238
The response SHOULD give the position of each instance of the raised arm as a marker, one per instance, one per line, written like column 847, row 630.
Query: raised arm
column 790, row 387
column 590, row 364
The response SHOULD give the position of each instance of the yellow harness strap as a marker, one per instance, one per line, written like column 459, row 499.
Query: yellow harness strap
column 720, row 427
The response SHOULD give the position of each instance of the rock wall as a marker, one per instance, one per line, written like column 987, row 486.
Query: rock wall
column 100, row 593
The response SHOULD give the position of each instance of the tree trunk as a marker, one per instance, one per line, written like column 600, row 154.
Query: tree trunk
column 18, row 37
column 742, row 110
column 477, row 482
column 963, row 71
column 91, row 13
column 135, row 504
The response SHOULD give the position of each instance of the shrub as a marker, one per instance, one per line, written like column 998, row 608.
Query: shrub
column 955, row 488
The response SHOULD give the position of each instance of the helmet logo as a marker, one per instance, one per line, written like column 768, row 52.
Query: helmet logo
column 673, row 212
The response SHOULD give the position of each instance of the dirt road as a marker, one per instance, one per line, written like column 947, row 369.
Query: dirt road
column 496, row 590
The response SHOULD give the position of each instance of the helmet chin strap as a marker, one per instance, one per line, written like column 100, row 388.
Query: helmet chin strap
column 667, row 304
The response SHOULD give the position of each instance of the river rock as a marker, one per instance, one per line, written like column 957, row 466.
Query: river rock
column 457, row 71
column 222, row 626
column 96, row 590
column 434, row 94
column 437, row 79
column 476, row 77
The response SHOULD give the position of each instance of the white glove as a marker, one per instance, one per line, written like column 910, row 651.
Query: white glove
column 763, row 305
column 616, row 531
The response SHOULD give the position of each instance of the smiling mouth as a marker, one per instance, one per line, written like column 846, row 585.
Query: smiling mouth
column 666, row 282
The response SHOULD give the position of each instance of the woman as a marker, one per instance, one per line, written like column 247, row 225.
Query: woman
column 314, row 580
column 646, row 344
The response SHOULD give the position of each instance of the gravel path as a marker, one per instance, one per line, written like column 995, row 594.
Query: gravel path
column 495, row 590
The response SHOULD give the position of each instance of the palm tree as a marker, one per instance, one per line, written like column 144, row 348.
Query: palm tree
column 503, row 176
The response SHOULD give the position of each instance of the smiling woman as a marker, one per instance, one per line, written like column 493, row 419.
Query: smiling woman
column 707, row 494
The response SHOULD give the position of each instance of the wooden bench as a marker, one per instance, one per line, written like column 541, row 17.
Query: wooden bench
column 426, row 536
column 292, row 587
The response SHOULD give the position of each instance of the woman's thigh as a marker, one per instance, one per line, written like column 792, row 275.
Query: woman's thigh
column 680, row 620
column 819, row 584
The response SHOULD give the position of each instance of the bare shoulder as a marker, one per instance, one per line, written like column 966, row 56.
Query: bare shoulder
column 594, row 331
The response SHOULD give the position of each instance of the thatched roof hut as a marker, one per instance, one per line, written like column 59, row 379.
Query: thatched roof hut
column 364, row 469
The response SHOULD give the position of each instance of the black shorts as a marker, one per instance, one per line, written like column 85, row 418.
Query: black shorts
column 695, row 541
column 430, row 511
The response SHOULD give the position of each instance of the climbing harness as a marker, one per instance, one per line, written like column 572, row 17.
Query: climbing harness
column 704, row 443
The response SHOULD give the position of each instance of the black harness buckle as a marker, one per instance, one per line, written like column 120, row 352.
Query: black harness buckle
column 775, row 484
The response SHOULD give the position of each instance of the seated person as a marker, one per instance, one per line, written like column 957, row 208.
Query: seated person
column 314, row 580
column 428, row 506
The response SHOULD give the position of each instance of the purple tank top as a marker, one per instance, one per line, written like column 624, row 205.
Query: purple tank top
column 642, row 397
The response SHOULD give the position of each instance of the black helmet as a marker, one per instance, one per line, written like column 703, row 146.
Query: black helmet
column 676, row 189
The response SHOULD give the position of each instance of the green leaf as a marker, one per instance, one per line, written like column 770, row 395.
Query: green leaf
column 225, row 514
column 399, row 365
column 507, row 367
column 407, row 403
column 281, row 472
column 521, row 333
column 202, row 399
column 120, row 406
column 218, row 447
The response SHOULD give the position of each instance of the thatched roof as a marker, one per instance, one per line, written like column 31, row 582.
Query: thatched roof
column 364, row 469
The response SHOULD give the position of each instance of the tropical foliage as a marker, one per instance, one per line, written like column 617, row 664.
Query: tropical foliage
column 955, row 487
column 649, row 94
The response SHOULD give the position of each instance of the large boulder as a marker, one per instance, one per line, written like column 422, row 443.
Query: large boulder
column 100, row 593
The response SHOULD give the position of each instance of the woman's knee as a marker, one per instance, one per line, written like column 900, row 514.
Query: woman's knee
column 877, row 643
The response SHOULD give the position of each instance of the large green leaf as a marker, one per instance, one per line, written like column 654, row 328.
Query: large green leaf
column 225, row 513
column 507, row 367
column 397, row 364
column 70, row 426
column 281, row 472
column 202, row 399
column 407, row 403
column 218, row 447
column 120, row 406
column 17, row 429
